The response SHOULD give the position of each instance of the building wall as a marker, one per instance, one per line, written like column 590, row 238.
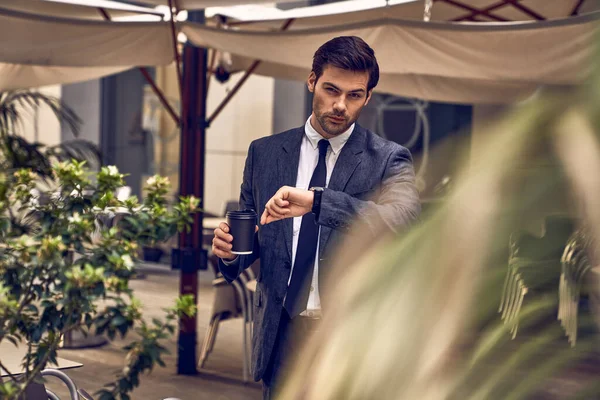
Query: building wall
column 123, row 141
column 84, row 99
column 290, row 106
column 41, row 125
column 248, row 116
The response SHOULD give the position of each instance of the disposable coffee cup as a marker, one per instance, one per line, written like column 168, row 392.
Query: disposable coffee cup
column 241, row 226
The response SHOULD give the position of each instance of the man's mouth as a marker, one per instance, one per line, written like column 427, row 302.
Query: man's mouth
column 338, row 120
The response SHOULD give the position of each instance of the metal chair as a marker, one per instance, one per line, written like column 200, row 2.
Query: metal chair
column 75, row 393
column 230, row 301
column 533, row 265
column 578, row 260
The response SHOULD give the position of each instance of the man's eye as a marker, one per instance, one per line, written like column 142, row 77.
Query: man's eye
column 331, row 90
column 355, row 95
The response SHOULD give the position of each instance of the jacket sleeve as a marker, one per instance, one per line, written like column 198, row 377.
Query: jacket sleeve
column 234, row 268
column 396, row 207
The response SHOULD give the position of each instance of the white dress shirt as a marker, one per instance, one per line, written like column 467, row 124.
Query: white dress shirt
column 309, row 157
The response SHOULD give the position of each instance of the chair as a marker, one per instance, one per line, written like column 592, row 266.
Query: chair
column 534, row 265
column 578, row 260
column 230, row 301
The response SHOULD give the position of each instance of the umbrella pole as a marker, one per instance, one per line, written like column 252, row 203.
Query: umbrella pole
column 148, row 78
column 190, row 257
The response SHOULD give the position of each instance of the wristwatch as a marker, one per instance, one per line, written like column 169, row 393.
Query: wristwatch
column 318, row 192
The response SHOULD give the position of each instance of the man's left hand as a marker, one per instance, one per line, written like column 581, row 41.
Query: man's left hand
column 288, row 202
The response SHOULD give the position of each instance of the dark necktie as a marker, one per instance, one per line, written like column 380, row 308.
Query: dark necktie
column 304, row 264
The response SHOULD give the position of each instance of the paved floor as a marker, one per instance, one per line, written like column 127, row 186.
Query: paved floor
column 158, row 290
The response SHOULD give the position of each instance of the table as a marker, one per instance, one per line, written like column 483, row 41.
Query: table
column 12, row 358
column 212, row 223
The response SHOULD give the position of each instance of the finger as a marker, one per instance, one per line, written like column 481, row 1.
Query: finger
column 256, row 228
column 274, row 209
column 263, row 217
column 224, row 227
column 267, row 218
column 281, row 203
column 222, row 235
column 271, row 218
column 223, row 254
column 221, row 244
column 278, row 211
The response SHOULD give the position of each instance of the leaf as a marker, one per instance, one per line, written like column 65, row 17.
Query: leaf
column 105, row 395
column 118, row 321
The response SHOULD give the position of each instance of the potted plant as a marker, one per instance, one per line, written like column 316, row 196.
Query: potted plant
column 159, row 227
column 54, row 273
column 62, row 268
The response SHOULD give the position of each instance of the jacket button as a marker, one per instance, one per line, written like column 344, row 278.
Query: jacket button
column 287, row 265
column 330, row 221
column 278, row 300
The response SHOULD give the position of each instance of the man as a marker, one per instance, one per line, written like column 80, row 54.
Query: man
column 307, row 185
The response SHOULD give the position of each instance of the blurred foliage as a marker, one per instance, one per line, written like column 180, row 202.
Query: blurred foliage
column 415, row 316
column 16, row 107
column 64, row 266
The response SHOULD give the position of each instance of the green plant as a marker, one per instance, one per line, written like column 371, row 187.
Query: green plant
column 70, row 271
column 17, row 152
column 161, row 223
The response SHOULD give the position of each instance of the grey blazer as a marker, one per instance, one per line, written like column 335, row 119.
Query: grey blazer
column 373, row 180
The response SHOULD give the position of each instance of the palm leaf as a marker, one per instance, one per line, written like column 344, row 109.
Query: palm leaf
column 80, row 150
column 20, row 153
column 16, row 105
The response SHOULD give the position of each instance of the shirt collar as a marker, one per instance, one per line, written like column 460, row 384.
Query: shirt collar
column 336, row 143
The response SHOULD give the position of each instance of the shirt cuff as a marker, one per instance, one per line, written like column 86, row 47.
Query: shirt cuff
column 230, row 262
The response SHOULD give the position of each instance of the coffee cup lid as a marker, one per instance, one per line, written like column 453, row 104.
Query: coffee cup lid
column 244, row 214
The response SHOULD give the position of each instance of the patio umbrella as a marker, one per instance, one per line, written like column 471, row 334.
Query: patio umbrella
column 354, row 11
column 442, row 61
column 202, row 4
column 40, row 50
column 79, row 9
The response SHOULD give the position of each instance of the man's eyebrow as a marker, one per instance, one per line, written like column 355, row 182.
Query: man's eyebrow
column 361, row 90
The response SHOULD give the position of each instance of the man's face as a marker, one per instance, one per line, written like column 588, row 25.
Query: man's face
column 339, row 97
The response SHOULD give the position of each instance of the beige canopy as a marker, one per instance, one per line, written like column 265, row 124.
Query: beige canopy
column 202, row 4
column 34, row 40
column 358, row 11
column 18, row 76
column 88, row 9
column 443, row 61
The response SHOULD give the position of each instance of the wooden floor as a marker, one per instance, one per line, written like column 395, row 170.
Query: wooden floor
column 157, row 290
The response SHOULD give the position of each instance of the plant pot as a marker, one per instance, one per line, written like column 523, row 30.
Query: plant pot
column 152, row 254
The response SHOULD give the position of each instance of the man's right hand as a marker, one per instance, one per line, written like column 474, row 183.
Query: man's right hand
column 221, row 244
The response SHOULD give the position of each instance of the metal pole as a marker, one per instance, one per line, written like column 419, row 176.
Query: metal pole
column 190, row 257
column 174, row 10
column 148, row 78
column 242, row 80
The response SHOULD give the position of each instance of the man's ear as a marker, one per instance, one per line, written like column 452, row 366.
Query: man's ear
column 369, row 93
column 311, row 82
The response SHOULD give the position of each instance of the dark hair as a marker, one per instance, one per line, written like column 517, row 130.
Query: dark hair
column 349, row 53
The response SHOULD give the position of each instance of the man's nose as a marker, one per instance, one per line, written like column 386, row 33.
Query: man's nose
column 339, row 106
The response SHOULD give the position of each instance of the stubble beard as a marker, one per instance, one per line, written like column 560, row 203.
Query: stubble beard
column 331, row 129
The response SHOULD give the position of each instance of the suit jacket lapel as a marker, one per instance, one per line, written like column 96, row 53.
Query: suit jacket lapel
column 287, row 165
column 345, row 166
